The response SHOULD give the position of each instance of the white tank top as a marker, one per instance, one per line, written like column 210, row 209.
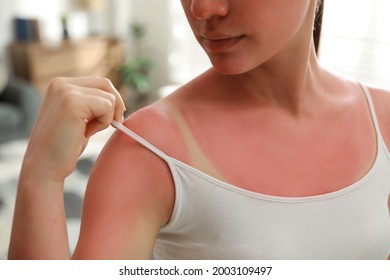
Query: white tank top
column 216, row 220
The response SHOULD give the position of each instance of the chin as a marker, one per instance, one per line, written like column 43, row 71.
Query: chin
column 229, row 66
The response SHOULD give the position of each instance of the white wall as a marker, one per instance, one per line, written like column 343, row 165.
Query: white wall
column 6, row 11
column 120, row 15
column 154, row 15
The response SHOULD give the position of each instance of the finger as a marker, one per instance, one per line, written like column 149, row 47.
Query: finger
column 103, row 84
column 91, row 108
column 93, row 127
column 95, row 102
column 98, row 112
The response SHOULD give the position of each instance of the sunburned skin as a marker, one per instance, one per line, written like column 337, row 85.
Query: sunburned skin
column 306, row 150
column 267, row 118
column 350, row 190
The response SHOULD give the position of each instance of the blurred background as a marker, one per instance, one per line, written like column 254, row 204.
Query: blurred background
column 147, row 49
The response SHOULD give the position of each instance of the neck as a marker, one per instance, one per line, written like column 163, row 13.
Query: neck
column 290, row 80
column 288, row 85
column 292, row 87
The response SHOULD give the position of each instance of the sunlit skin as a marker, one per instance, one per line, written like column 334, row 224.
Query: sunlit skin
column 267, row 99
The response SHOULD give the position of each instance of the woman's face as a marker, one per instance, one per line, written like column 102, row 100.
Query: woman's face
column 239, row 35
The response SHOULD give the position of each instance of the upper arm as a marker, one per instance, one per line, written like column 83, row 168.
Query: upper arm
column 129, row 197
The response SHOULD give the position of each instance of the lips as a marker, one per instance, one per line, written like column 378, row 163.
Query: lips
column 220, row 44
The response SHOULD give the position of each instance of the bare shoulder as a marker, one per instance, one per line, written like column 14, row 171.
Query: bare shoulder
column 381, row 99
column 155, row 124
column 130, row 194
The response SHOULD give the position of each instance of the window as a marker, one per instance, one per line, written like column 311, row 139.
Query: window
column 356, row 39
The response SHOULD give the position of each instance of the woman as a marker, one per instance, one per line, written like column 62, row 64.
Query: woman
column 265, row 156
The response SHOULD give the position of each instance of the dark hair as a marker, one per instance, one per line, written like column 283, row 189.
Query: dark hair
column 319, row 4
column 318, row 24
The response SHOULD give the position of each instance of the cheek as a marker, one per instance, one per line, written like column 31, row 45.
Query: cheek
column 278, row 18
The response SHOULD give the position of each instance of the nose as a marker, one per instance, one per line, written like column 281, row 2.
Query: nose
column 207, row 9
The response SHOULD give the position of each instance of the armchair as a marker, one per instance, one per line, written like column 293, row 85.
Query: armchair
column 19, row 106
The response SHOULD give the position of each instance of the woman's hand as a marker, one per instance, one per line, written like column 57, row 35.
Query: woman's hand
column 73, row 110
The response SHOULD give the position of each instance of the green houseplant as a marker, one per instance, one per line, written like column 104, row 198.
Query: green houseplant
column 135, row 72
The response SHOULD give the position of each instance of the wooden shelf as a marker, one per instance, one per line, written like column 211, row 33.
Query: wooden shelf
column 39, row 63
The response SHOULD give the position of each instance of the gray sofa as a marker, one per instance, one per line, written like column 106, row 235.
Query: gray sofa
column 19, row 106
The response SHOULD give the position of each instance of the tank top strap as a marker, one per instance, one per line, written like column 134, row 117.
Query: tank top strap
column 372, row 109
column 140, row 140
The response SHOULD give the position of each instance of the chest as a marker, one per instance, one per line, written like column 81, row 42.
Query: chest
column 276, row 155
